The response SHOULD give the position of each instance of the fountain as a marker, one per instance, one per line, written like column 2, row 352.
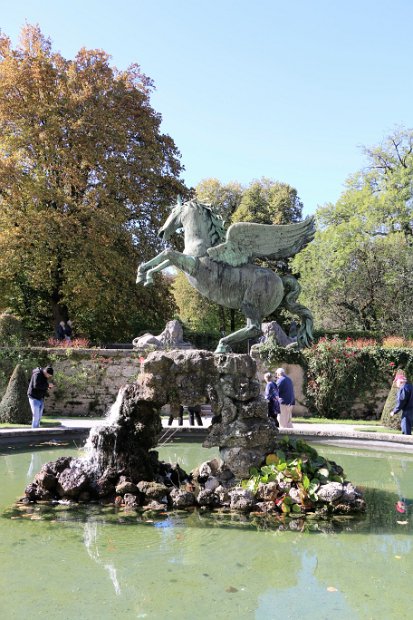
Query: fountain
column 257, row 471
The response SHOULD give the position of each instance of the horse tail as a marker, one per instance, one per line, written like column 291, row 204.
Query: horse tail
column 305, row 336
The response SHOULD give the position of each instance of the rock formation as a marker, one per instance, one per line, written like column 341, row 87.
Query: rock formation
column 172, row 337
column 122, row 466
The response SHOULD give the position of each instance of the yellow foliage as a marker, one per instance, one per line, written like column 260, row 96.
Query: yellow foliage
column 85, row 180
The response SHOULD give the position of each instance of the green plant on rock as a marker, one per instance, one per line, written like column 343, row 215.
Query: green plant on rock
column 272, row 353
column 295, row 465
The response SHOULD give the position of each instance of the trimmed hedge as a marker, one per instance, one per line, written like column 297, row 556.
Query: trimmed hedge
column 342, row 376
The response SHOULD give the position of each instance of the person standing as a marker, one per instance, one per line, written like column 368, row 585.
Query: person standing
column 195, row 414
column 272, row 396
column 38, row 388
column 60, row 331
column 286, row 397
column 404, row 404
column 68, row 331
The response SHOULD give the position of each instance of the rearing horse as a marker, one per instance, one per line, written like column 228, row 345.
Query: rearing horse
column 222, row 271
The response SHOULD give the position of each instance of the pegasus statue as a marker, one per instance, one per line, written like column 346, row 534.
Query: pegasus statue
column 219, row 265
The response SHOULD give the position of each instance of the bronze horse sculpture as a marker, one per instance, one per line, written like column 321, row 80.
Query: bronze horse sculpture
column 219, row 265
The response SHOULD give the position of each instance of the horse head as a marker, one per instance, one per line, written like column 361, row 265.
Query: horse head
column 201, row 226
column 173, row 221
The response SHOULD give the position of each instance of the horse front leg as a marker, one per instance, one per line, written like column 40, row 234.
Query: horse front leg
column 149, row 274
column 145, row 268
column 167, row 258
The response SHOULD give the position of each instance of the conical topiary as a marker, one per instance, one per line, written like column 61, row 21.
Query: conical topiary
column 14, row 406
column 392, row 422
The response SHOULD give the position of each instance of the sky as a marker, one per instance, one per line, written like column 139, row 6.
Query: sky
column 291, row 91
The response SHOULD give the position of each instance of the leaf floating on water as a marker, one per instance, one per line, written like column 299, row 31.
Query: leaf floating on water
column 332, row 589
column 231, row 589
column 398, row 557
column 402, row 522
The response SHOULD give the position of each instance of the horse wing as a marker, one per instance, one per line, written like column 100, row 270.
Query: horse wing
column 246, row 240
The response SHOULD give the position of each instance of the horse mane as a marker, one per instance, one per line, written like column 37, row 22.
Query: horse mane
column 216, row 224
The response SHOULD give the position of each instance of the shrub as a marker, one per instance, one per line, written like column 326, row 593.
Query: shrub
column 340, row 372
column 76, row 343
column 11, row 330
column 14, row 407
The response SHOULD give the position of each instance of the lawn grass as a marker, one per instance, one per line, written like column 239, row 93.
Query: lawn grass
column 43, row 424
column 381, row 429
column 338, row 421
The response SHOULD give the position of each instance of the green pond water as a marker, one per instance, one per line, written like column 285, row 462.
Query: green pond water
column 105, row 563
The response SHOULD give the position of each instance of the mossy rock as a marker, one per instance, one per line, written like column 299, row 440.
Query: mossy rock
column 14, row 406
column 12, row 331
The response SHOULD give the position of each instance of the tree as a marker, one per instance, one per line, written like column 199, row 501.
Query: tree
column 269, row 202
column 199, row 313
column 85, row 179
column 357, row 272
column 224, row 198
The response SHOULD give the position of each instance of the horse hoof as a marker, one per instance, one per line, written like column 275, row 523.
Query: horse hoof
column 140, row 278
column 223, row 348
column 148, row 282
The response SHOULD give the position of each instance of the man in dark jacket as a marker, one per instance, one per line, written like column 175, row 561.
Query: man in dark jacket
column 286, row 397
column 271, row 395
column 38, row 388
column 404, row 404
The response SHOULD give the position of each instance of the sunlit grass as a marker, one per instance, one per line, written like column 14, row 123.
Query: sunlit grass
column 337, row 421
column 43, row 424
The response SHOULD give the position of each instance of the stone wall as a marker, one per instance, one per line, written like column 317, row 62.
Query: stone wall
column 296, row 374
column 88, row 380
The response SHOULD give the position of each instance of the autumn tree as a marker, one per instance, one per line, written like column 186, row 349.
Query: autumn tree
column 85, row 179
column 224, row 198
column 356, row 274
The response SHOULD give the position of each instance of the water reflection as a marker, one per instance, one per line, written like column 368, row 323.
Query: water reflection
column 90, row 538
column 192, row 565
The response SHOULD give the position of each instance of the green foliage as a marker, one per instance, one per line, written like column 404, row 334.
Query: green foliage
column 224, row 198
column 272, row 354
column 339, row 372
column 269, row 202
column 387, row 420
column 356, row 274
column 24, row 356
column 14, row 406
column 299, row 465
column 12, row 332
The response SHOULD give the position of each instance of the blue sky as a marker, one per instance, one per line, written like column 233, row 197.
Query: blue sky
column 287, row 90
